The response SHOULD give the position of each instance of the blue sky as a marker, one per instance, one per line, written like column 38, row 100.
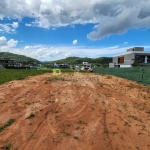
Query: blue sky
column 54, row 29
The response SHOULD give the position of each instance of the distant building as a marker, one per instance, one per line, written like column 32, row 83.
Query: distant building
column 56, row 65
column 85, row 63
column 133, row 55
column 63, row 66
column 1, row 67
column 10, row 62
column 85, row 66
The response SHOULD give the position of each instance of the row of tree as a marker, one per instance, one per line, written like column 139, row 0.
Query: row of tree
column 78, row 60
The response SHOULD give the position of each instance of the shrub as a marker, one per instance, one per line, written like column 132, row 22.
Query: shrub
column 80, row 122
column 7, row 147
column 55, row 78
column 31, row 116
column 108, row 77
column 9, row 122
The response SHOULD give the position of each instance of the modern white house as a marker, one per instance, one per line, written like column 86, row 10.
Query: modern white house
column 133, row 55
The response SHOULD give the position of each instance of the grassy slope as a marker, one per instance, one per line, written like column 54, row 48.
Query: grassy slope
column 21, row 58
column 12, row 74
column 9, row 75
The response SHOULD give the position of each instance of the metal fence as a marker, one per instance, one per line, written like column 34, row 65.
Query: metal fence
column 138, row 74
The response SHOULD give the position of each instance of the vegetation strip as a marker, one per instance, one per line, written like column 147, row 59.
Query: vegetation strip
column 7, row 147
column 31, row 116
column 9, row 122
column 12, row 74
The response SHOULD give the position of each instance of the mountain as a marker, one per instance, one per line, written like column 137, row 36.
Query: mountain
column 20, row 58
column 78, row 60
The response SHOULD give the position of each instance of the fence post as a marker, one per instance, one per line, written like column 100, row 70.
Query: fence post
column 142, row 73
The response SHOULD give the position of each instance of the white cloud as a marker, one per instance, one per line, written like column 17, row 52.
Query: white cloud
column 12, row 43
column 111, row 17
column 72, row 26
column 33, row 47
column 75, row 42
column 28, row 25
column 9, row 28
column 54, row 28
column 6, row 28
column 15, row 25
column 5, row 45
column 2, row 41
column 49, row 53
column 125, row 43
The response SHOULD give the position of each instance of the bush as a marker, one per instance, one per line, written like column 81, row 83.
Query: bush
column 7, row 147
column 9, row 122
column 134, row 64
column 31, row 116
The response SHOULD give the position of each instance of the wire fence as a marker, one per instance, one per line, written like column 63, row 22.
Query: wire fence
column 138, row 74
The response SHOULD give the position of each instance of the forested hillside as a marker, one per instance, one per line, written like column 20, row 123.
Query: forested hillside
column 78, row 60
column 21, row 58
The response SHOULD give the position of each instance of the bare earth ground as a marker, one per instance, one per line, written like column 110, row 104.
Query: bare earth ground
column 80, row 112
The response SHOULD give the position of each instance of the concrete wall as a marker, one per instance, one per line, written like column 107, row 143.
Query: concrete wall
column 129, row 59
column 115, row 60
column 125, row 66
column 111, row 65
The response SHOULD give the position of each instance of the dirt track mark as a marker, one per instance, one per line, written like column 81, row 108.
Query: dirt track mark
column 29, row 139
column 72, row 113
column 38, row 127
column 106, row 129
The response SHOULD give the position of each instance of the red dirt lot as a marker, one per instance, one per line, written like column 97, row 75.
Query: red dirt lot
column 75, row 111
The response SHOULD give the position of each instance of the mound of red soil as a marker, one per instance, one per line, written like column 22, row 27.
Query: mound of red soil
column 75, row 112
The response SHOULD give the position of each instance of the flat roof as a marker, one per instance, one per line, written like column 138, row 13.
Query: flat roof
column 135, row 48
column 135, row 52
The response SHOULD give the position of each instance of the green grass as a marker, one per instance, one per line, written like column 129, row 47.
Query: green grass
column 7, row 75
column 55, row 78
column 66, row 70
column 31, row 116
column 15, row 74
column 62, row 69
column 8, row 123
column 133, row 73
column 7, row 147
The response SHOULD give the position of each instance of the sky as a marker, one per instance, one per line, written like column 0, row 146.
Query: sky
column 49, row 30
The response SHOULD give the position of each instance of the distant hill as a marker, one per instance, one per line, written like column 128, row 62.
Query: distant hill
column 20, row 58
column 78, row 60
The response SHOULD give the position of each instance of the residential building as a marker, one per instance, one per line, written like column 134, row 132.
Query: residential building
column 10, row 62
column 1, row 67
column 135, row 55
column 85, row 66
